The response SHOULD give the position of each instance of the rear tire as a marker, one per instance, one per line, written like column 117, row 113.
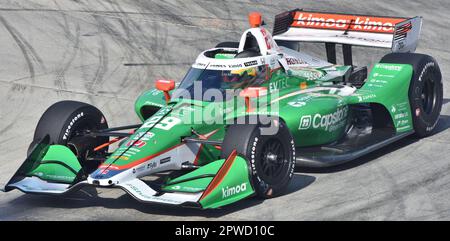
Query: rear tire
column 271, row 157
column 64, row 120
column 425, row 90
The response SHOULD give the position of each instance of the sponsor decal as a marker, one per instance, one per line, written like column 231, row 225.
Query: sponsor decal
column 164, row 160
column 301, row 101
column 400, row 45
column 400, row 107
column 200, row 64
column 153, row 92
column 305, row 122
column 235, row 66
column 329, row 122
column 307, row 73
column 58, row 177
column 402, row 122
column 218, row 66
column 137, row 143
column 374, row 85
column 251, row 63
column 389, row 67
column 373, row 40
column 268, row 39
column 345, row 22
column 331, row 69
column 143, row 136
column 272, row 62
column 121, row 158
column 294, row 61
column 263, row 61
column 230, row 191
column 282, row 83
column 127, row 151
column 72, row 122
column 362, row 98
column 138, row 169
column 185, row 188
column 296, row 103
column 142, row 195
column 151, row 165
column 378, row 81
column 104, row 166
column 390, row 76
column 154, row 103
column 401, row 115
column 403, row 128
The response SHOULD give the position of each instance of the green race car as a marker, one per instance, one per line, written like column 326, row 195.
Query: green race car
column 245, row 115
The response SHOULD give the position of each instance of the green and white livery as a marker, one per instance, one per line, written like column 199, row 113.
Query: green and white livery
column 245, row 115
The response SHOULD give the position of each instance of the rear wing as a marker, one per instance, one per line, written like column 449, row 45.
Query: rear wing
column 397, row 34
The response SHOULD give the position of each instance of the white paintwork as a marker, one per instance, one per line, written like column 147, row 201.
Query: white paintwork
column 178, row 155
column 143, row 192
column 367, row 39
column 274, row 57
column 265, row 41
column 37, row 185
column 345, row 91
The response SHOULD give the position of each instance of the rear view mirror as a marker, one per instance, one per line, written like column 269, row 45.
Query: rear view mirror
column 252, row 92
column 165, row 86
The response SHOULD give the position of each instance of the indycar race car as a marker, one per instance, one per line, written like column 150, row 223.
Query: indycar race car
column 245, row 115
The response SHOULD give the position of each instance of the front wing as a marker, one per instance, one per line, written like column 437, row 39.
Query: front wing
column 214, row 185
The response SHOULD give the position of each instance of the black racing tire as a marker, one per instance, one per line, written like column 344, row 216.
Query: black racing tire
column 64, row 119
column 271, row 157
column 234, row 45
column 425, row 90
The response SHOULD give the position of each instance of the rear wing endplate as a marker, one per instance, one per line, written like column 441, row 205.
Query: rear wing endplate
column 397, row 34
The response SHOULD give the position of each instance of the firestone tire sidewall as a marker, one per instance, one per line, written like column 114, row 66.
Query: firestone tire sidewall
column 424, row 124
column 61, row 120
column 424, row 67
column 248, row 140
column 262, row 187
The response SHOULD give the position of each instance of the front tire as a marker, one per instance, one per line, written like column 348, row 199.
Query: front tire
column 271, row 157
column 425, row 91
column 64, row 121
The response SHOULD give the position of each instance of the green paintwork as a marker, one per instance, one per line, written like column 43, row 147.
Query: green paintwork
column 224, row 56
column 152, row 97
column 304, row 98
column 232, row 188
column 201, row 181
column 388, row 85
column 58, row 164
column 315, row 115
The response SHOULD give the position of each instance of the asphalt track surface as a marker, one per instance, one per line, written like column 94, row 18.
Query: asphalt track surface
column 82, row 50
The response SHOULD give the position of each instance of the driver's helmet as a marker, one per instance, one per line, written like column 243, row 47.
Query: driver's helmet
column 241, row 78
